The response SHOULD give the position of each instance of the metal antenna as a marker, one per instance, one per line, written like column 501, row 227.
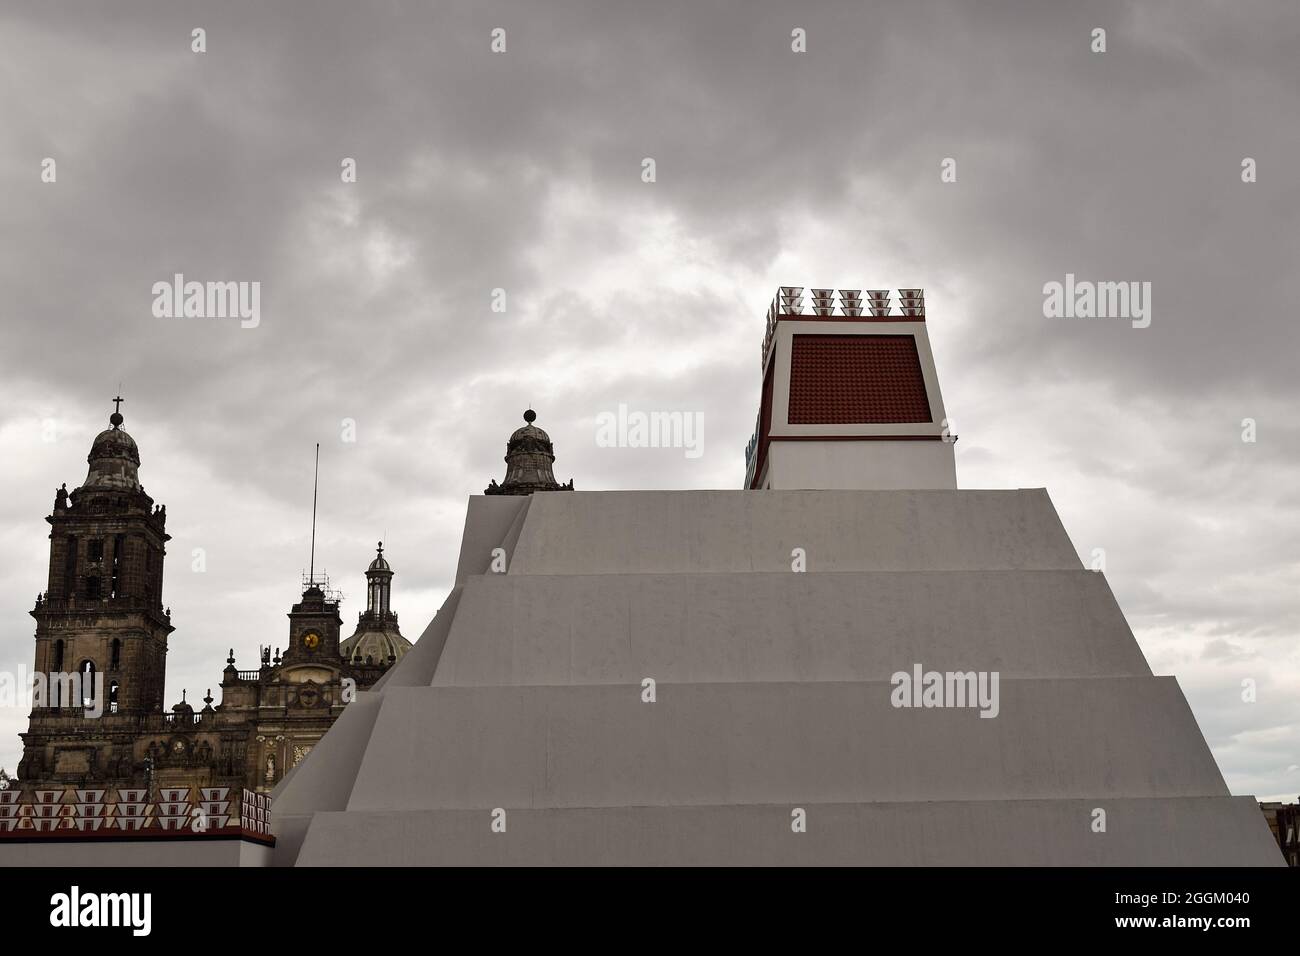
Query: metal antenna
column 311, row 575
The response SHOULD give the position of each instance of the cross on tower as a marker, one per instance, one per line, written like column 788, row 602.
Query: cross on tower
column 117, row 404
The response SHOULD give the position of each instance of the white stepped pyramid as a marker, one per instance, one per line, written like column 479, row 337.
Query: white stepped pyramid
column 772, row 693
column 773, row 736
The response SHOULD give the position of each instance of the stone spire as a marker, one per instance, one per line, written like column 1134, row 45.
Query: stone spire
column 529, row 455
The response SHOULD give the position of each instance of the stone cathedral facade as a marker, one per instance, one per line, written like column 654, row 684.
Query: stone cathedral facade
column 99, row 719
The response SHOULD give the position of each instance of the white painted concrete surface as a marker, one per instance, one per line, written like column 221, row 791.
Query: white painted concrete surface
column 772, row 693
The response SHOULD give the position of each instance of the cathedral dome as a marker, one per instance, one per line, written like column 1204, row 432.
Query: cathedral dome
column 530, row 432
column 529, row 457
column 114, row 443
column 376, row 645
column 377, row 636
column 114, row 459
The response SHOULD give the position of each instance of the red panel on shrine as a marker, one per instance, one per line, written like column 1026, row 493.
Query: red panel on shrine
column 856, row 380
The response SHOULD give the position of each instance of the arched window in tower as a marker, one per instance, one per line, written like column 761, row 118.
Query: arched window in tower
column 70, row 567
column 93, row 588
column 52, row 681
column 116, row 656
column 87, row 672
column 119, row 555
column 112, row 697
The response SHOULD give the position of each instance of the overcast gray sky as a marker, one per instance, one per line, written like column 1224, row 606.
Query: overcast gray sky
column 522, row 171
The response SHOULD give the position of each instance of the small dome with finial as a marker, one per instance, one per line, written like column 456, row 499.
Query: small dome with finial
column 114, row 458
column 529, row 456
column 380, row 563
column 183, row 709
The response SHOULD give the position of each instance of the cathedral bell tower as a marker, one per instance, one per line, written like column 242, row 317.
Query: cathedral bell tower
column 314, row 621
column 314, row 626
column 101, row 615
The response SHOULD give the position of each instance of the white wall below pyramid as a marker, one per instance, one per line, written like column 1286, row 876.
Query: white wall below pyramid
column 868, row 465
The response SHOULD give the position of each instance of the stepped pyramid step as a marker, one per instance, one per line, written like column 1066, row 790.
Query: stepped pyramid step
column 600, row 745
column 542, row 629
column 1180, row 831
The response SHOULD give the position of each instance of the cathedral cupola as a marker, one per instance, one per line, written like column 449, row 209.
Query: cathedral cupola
column 377, row 639
column 529, row 456
column 114, row 458
column 379, row 580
